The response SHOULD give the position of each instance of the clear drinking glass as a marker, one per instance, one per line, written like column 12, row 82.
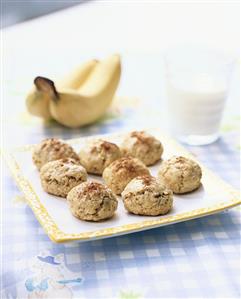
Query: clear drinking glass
column 197, row 82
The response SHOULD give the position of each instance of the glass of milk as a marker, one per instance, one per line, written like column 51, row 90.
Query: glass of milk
column 197, row 83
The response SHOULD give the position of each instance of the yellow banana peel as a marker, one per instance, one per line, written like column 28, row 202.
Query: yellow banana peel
column 79, row 99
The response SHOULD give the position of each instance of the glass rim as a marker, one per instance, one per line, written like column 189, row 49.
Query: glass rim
column 188, row 57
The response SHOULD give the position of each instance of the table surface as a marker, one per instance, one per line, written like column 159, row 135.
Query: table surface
column 193, row 259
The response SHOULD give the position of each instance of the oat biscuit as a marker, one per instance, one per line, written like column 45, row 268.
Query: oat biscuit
column 180, row 174
column 144, row 195
column 50, row 150
column 92, row 201
column 98, row 154
column 60, row 176
column 143, row 146
column 120, row 172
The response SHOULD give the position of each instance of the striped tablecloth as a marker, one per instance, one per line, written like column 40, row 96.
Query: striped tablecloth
column 195, row 259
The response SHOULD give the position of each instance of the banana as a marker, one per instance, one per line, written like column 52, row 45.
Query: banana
column 77, row 77
column 74, row 107
column 37, row 101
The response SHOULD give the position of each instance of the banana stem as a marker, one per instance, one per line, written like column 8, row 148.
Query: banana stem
column 46, row 85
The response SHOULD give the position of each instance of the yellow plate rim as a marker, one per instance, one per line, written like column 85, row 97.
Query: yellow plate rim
column 58, row 236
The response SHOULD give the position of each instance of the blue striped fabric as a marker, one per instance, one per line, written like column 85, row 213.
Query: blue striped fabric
column 194, row 259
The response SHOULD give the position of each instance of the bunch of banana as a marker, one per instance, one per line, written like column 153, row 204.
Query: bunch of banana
column 81, row 98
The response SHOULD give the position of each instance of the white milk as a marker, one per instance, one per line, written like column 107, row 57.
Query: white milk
column 196, row 104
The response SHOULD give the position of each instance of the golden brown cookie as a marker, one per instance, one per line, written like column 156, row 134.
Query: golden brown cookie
column 60, row 176
column 143, row 146
column 50, row 150
column 144, row 195
column 96, row 155
column 92, row 201
column 120, row 172
column 180, row 174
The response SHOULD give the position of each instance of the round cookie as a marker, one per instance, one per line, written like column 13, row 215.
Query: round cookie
column 144, row 195
column 92, row 201
column 143, row 146
column 50, row 150
column 120, row 172
column 98, row 154
column 60, row 176
column 180, row 174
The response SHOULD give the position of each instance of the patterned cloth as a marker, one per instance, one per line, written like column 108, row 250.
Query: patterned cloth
column 195, row 259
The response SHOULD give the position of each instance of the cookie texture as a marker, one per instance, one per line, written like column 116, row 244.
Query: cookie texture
column 92, row 201
column 144, row 195
column 119, row 173
column 180, row 174
column 50, row 150
column 96, row 155
column 142, row 145
column 60, row 176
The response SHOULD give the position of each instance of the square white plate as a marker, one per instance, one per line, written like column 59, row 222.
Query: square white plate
column 53, row 214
